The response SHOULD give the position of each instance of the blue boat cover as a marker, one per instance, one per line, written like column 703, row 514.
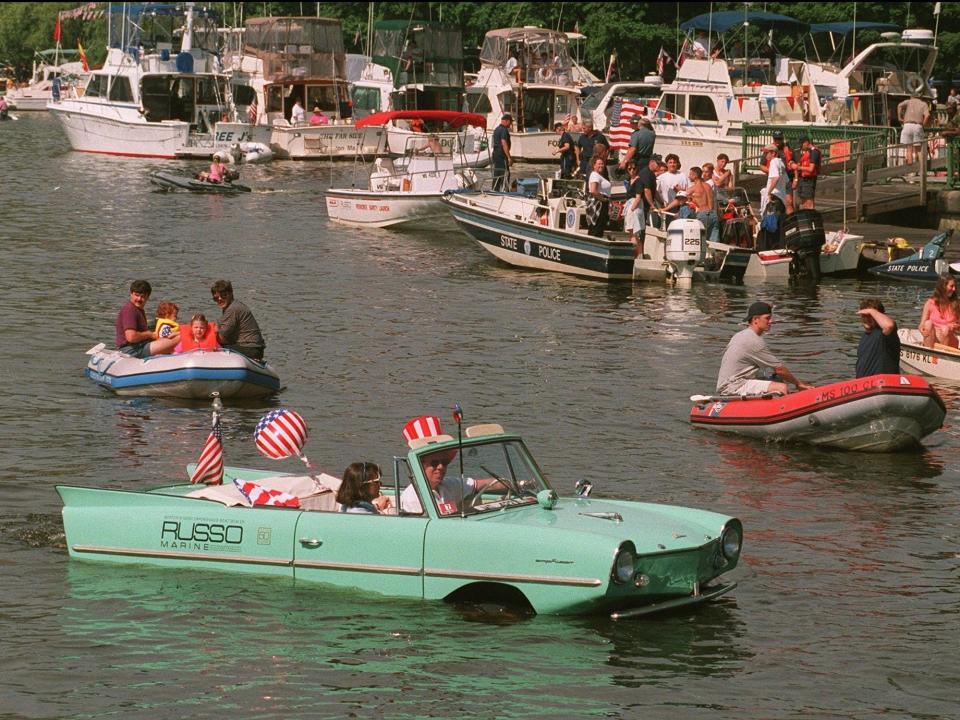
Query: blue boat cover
column 723, row 21
column 845, row 28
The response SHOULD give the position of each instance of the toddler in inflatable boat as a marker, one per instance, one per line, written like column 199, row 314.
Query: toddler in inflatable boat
column 201, row 335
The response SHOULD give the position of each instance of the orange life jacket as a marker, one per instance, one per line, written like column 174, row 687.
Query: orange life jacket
column 209, row 341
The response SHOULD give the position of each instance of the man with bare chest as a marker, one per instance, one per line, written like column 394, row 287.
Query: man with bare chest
column 701, row 196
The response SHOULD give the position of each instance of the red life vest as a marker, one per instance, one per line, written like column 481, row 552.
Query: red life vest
column 209, row 341
column 813, row 158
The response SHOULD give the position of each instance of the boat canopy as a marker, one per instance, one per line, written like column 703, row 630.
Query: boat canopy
column 420, row 53
column 533, row 47
column 455, row 120
column 296, row 48
column 720, row 22
column 160, row 26
column 51, row 54
column 845, row 28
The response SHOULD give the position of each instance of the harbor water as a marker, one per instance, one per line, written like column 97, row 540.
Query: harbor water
column 849, row 586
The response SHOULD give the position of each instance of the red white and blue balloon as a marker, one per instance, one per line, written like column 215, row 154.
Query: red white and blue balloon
column 280, row 433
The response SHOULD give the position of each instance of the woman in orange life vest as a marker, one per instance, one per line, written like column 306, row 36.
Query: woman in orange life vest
column 202, row 335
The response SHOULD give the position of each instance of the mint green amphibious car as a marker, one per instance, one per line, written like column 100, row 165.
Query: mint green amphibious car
column 511, row 539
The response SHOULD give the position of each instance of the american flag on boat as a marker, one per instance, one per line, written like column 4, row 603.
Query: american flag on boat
column 259, row 495
column 619, row 131
column 210, row 465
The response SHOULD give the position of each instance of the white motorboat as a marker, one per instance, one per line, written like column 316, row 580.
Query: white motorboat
column 539, row 89
column 57, row 73
column 940, row 361
column 408, row 190
column 151, row 96
column 189, row 375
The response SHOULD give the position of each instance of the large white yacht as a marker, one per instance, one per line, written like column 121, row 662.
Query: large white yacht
column 160, row 84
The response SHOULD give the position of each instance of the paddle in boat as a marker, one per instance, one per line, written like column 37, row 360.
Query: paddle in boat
column 498, row 532
column 940, row 361
column 926, row 265
column 175, row 181
column 879, row 413
column 407, row 190
column 188, row 375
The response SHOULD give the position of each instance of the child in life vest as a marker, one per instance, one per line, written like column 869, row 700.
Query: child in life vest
column 201, row 335
column 166, row 319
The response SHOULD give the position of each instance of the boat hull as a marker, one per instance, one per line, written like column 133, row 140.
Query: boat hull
column 383, row 209
column 938, row 361
column 109, row 130
column 190, row 376
column 537, row 247
column 327, row 142
column 880, row 413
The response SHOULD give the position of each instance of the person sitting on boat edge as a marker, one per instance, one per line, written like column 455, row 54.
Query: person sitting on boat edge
column 238, row 330
column 166, row 319
column 748, row 367
column 879, row 348
column 201, row 335
column 132, row 335
column 940, row 319
column 360, row 490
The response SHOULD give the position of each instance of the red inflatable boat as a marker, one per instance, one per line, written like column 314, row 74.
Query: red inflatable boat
column 880, row 413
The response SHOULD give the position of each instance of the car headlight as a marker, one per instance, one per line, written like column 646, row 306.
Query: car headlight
column 731, row 540
column 623, row 566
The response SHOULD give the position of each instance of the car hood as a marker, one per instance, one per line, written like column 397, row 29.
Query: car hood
column 652, row 527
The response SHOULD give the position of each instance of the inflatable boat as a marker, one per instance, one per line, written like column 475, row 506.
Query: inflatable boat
column 879, row 413
column 189, row 375
column 173, row 181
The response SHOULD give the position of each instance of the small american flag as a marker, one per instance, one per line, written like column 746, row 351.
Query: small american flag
column 619, row 131
column 210, row 466
column 252, row 111
column 259, row 495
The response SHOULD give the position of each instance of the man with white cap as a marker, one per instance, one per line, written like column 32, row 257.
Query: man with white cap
column 748, row 367
column 448, row 493
column 642, row 140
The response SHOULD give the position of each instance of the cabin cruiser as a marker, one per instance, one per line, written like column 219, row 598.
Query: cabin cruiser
column 528, row 73
column 57, row 73
column 160, row 85
column 277, row 62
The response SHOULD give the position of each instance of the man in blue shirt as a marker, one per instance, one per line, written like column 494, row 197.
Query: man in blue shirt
column 500, row 153
column 642, row 140
column 879, row 349
column 565, row 150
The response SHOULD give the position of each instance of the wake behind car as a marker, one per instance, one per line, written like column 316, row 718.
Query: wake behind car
column 495, row 531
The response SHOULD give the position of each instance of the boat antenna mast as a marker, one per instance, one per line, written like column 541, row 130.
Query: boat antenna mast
column 458, row 419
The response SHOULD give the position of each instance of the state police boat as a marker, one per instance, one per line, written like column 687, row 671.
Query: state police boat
column 926, row 265
column 879, row 413
column 548, row 231
column 189, row 375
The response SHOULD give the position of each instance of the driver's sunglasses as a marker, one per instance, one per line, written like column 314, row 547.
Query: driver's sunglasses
column 436, row 462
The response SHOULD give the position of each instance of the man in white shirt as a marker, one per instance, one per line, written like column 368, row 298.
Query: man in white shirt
column 297, row 114
column 777, row 178
column 448, row 493
column 672, row 180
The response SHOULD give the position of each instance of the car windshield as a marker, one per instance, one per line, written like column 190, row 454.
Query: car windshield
column 496, row 475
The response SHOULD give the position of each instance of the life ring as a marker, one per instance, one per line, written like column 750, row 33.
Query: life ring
column 914, row 84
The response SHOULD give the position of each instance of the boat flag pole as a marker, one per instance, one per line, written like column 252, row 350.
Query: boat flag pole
column 458, row 419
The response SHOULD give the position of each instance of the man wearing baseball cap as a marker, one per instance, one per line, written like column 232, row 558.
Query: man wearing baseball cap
column 748, row 367
column 500, row 156
column 642, row 140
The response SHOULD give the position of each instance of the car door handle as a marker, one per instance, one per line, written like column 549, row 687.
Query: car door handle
column 311, row 542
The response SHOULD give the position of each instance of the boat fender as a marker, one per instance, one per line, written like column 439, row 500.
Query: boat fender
column 165, row 327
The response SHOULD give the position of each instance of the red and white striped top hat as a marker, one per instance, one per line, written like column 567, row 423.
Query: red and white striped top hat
column 422, row 427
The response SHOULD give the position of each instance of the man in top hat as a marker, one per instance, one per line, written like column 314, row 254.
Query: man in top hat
column 642, row 140
column 748, row 367
column 500, row 153
column 449, row 494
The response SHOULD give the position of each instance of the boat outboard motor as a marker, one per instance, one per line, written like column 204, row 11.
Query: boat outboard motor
column 803, row 235
column 685, row 242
